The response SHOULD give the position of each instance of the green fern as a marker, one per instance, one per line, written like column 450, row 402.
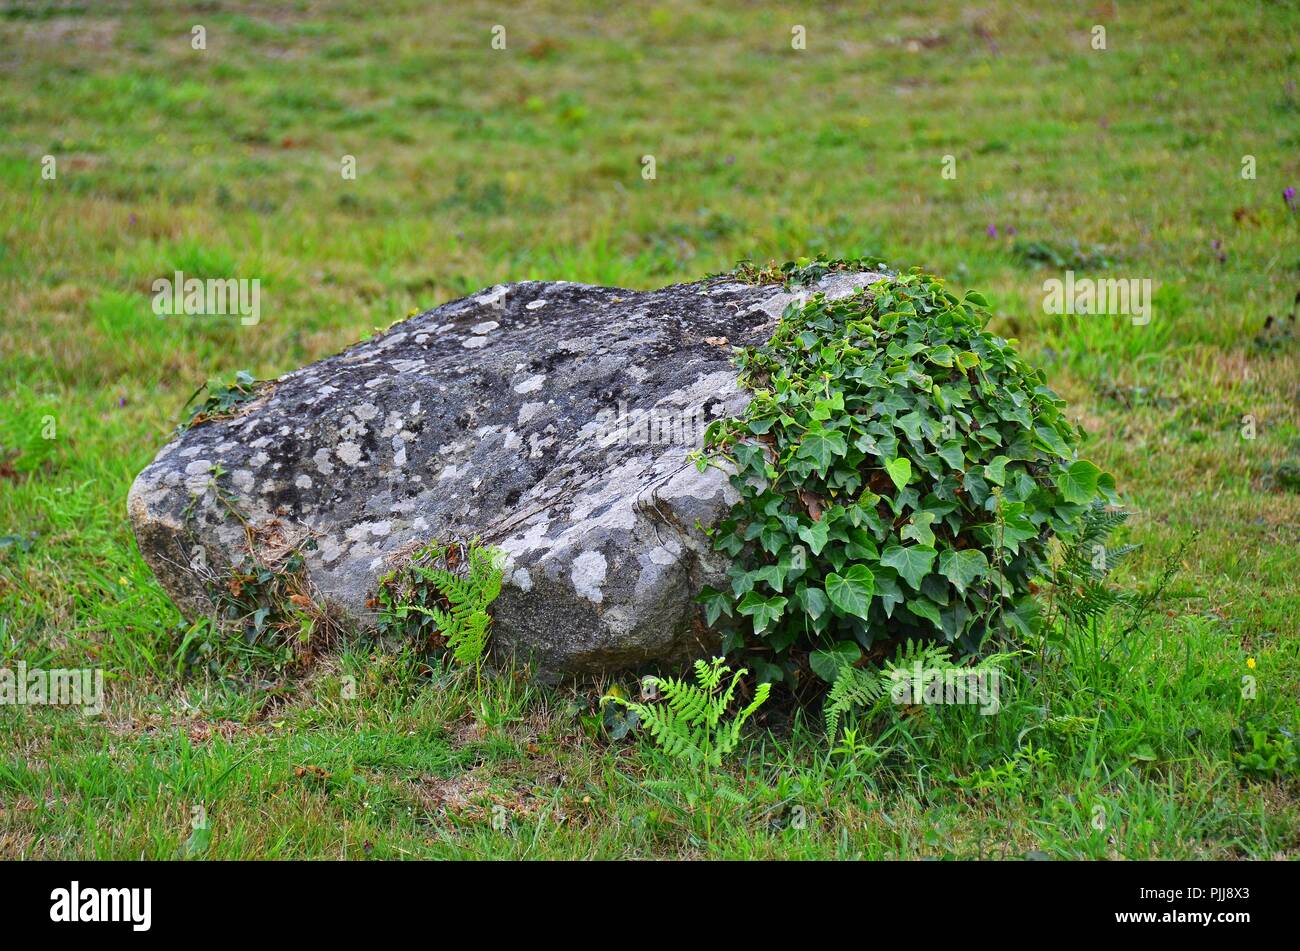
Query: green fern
column 1084, row 593
column 687, row 722
column 445, row 591
column 868, row 689
column 854, row 688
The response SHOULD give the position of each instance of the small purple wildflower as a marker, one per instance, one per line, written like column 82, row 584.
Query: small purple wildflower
column 1289, row 197
column 992, row 231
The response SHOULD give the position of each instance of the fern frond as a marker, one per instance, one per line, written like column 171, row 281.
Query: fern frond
column 926, row 653
column 725, row 700
column 685, row 722
column 853, row 689
column 466, row 578
column 688, row 701
column 470, row 640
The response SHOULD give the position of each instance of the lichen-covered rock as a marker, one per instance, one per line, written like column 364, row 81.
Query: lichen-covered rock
column 550, row 419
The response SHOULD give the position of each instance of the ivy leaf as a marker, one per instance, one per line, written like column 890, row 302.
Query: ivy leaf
column 952, row 454
column 851, row 592
column 1106, row 486
column 996, row 471
column 826, row 664
column 1045, row 437
column 774, row 575
column 912, row 563
column 911, row 425
column 975, row 487
column 822, row 446
column 814, row 601
column 1078, row 484
column 888, row 591
column 918, row 529
column 764, row 611
column 900, row 471
column 716, row 603
column 941, row 355
column 924, row 608
column 825, row 409
column 963, row 567
column 861, row 545
column 772, row 538
column 1024, row 617
column 816, row 535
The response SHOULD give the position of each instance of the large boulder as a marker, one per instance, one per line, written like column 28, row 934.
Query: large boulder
column 551, row 419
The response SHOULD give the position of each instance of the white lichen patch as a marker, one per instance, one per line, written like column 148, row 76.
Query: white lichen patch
column 588, row 574
column 533, row 538
column 530, row 385
column 349, row 452
column 474, row 343
column 528, row 412
column 665, row 554
column 322, row 460
column 538, row 444
column 494, row 297
column 486, row 326
column 360, row 532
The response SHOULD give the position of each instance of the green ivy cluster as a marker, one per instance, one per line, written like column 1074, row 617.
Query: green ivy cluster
column 901, row 471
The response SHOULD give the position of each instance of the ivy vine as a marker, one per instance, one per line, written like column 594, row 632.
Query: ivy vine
column 901, row 472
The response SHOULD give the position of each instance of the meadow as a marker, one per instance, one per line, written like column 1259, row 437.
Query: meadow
column 1167, row 155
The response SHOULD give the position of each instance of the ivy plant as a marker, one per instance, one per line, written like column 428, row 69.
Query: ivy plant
column 901, row 472
column 224, row 400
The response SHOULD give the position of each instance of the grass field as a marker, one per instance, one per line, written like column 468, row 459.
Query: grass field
column 476, row 165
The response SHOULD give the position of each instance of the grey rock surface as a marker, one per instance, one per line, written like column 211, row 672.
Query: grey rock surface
column 551, row 419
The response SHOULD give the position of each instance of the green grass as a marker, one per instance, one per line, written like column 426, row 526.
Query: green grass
column 477, row 166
